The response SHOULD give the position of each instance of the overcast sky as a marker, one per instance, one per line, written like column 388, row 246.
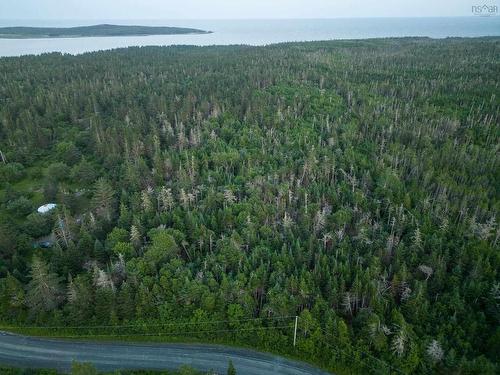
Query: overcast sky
column 217, row 9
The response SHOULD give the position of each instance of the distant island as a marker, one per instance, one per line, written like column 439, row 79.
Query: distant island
column 21, row 32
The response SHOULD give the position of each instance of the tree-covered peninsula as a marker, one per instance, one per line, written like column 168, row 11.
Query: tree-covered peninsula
column 21, row 32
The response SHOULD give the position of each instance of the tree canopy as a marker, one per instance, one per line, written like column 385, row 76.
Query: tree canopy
column 215, row 193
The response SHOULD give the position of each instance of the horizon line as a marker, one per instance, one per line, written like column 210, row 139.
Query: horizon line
column 237, row 18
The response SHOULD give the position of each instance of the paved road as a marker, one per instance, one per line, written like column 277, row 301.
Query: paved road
column 22, row 351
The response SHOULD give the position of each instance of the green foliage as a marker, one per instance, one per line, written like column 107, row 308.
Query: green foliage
column 11, row 172
column 57, row 171
column 17, row 371
column 38, row 225
column 117, row 235
column 163, row 248
column 103, row 200
column 83, row 172
column 12, row 297
column 67, row 152
column 85, row 368
column 230, row 369
column 212, row 194
column 124, row 248
column 44, row 291
column 21, row 206
column 78, row 368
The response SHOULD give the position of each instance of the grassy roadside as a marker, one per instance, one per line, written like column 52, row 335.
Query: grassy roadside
column 86, row 369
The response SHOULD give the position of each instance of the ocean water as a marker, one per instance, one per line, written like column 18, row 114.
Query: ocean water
column 253, row 32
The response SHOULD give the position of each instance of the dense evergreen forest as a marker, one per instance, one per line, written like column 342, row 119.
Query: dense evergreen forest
column 214, row 193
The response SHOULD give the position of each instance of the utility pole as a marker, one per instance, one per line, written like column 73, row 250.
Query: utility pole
column 295, row 331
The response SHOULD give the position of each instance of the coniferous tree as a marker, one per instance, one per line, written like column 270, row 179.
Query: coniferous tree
column 44, row 290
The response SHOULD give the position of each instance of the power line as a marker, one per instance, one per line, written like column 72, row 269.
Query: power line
column 180, row 333
column 366, row 354
column 340, row 350
column 190, row 323
column 149, row 325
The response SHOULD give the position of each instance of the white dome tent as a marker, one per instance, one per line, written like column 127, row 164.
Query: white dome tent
column 46, row 208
